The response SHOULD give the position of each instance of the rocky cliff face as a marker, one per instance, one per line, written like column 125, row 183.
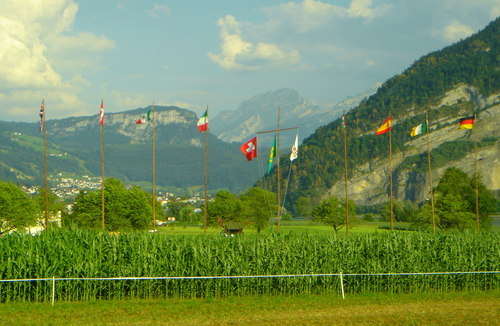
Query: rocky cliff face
column 123, row 123
column 368, row 184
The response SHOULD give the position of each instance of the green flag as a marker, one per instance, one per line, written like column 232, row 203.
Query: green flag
column 272, row 155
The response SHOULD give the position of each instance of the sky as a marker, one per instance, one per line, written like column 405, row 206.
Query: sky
column 218, row 53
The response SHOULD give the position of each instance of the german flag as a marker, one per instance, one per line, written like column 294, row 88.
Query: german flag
column 467, row 123
column 384, row 127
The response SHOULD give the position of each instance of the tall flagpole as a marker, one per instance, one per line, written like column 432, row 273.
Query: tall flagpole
column 430, row 171
column 101, row 162
column 43, row 127
column 205, row 177
column 346, row 206
column 278, row 185
column 153, row 164
column 478, row 224
column 390, row 181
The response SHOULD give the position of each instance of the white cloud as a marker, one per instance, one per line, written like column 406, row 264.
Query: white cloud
column 361, row 8
column 159, row 10
column 239, row 54
column 456, row 31
column 36, row 40
column 311, row 14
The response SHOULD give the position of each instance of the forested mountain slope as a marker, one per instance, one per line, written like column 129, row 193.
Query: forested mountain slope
column 74, row 149
column 457, row 81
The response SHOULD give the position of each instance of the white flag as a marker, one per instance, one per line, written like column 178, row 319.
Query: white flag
column 295, row 149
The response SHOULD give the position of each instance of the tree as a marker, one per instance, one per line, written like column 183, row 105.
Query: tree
column 303, row 206
column 455, row 202
column 331, row 211
column 17, row 209
column 403, row 210
column 225, row 208
column 54, row 204
column 124, row 208
column 259, row 206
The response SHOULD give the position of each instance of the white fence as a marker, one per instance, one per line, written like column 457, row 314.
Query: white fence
column 341, row 276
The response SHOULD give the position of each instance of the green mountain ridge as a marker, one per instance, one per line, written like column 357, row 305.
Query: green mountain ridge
column 459, row 80
column 74, row 149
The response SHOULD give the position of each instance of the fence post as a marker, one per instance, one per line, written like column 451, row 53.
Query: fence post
column 53, row 290
column 342, row 285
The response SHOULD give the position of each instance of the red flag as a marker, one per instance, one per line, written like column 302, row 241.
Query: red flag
column 101, row 113
column 249, row 149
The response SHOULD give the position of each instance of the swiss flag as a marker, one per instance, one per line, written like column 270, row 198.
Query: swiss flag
column 249, row 149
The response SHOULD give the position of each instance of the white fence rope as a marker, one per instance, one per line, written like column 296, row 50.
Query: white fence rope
column 208, row 277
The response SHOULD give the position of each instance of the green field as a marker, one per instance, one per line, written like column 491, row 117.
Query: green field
column 63, row 254
column 304, row 226
column 462, row 308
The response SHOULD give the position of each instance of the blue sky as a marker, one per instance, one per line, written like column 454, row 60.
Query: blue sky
column 133, row 53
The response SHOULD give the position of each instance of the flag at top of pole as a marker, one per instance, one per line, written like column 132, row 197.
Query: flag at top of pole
column 144, row 119
column 42, row 115
column 418, row 130
column 272, row 155
column 203, row 122
column 385, row 127
column 249, row 149
column 101, row 113
column 467, row 123
column 294, row 153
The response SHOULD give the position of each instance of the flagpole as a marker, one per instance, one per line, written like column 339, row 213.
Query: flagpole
column 278, row 186
column 153, row 165
column 205, row 177
column 478, row 224
column 430, row 171
column 101, row 168
column 346, row 206
column 45, row 168
column 391, row 214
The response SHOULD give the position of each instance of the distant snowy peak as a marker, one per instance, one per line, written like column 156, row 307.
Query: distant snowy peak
column 259, row 113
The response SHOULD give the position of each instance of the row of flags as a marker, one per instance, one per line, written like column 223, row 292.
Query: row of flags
column 386, row 126
column 249, row 148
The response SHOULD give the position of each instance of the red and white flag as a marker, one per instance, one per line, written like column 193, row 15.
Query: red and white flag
column 249, row 149
column 101, row 113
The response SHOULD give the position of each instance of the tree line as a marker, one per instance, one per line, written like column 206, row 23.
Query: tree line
column 130, row 208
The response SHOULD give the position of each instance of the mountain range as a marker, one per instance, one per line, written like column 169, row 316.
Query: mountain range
column 74, row 149
column 260, row 113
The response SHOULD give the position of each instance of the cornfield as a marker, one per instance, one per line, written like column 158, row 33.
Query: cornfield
column 93, row 254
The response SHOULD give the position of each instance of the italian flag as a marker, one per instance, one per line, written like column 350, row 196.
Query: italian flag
column 144, row 119
column 203, row 122
column 418, row 130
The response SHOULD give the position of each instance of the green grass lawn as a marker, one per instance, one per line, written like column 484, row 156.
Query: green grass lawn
column 480, row 308
column 286, row 227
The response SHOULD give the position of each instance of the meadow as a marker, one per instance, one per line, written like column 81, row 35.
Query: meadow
column 434, row 308
column 63, row 254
